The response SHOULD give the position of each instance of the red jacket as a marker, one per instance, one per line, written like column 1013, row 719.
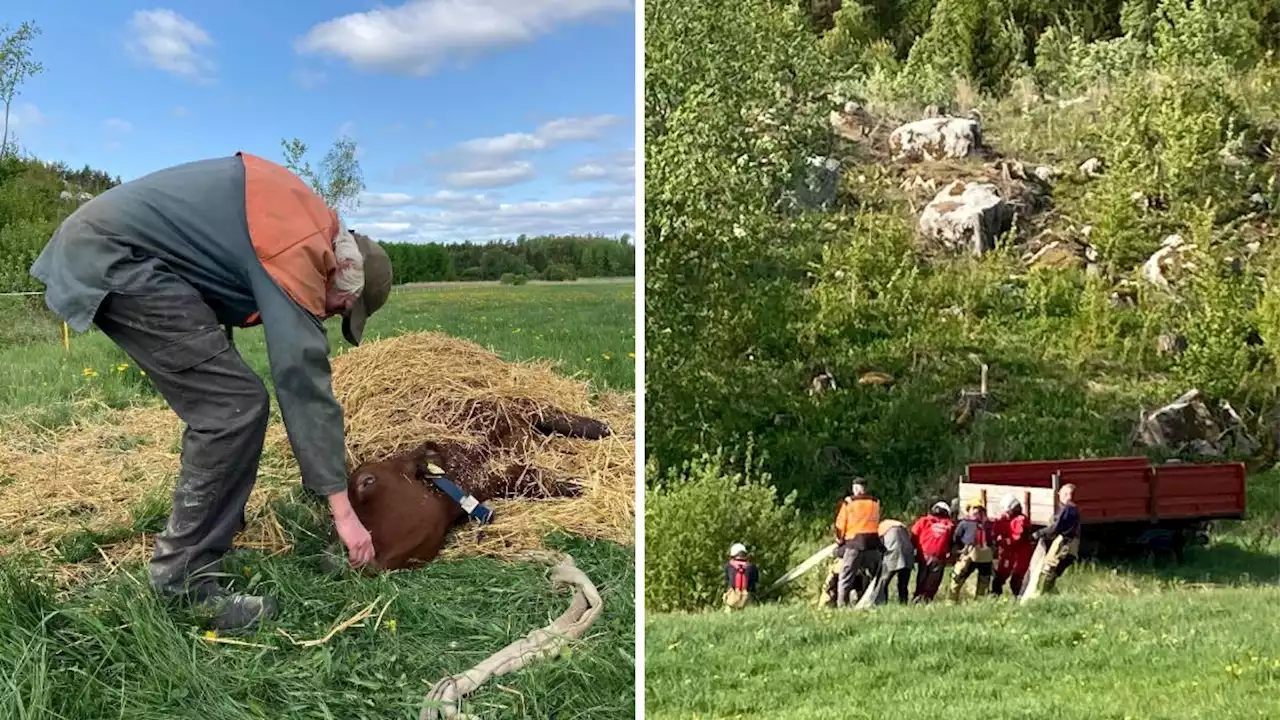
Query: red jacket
column 932, row 536
column 1014, row 545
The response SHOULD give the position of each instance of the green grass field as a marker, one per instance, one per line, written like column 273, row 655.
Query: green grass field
column 589, row 328
column 1124, row 639
column 107, row 649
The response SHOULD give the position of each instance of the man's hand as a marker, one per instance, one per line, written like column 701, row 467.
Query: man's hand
column 353, row 533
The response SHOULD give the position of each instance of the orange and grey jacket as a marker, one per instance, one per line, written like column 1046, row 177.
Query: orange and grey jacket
column 254, row 241
column 858, row 522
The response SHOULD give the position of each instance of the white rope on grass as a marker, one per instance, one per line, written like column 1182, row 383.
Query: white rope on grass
column 446, row 696
column 20, row 294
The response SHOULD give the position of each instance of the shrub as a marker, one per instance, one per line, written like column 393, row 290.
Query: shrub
column 694, row 513
column 513, row 279
column 559, row 272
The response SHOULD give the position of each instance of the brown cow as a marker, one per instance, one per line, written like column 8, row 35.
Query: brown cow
column 409, row 517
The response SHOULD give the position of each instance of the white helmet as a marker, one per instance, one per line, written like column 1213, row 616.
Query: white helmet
column 941, row 507
column 1009, row 502
column 737, row 549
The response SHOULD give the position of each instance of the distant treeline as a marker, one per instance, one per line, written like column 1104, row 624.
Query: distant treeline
column 551, row 257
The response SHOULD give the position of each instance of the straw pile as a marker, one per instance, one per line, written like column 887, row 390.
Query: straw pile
column 397, row 394
column 401, row 392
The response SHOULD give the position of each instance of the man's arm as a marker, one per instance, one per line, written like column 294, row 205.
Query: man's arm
column 299, row 353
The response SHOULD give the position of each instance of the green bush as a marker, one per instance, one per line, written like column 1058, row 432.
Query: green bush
column 692, row 516
column 513, row 279
column 559, row 273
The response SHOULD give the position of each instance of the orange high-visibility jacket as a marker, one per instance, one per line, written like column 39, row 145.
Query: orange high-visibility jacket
column 858, row 515
column 292, row 230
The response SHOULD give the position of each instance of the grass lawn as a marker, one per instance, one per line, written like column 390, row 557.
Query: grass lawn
column 1122, row 640
column 588, row 327
column 108, row 649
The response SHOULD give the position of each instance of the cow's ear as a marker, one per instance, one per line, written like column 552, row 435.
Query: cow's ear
column 425, row 457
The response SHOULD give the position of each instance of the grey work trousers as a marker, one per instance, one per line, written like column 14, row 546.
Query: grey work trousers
column 857, row 568
column 174, row 336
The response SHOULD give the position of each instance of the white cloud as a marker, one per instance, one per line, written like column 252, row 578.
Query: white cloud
column 487, row 218
column 620, row 169
column 421, row 35
column 440, row 198
column 118, row 126
column 560, row 130
column 499, row 176
column 170, row 42
column 181, row 112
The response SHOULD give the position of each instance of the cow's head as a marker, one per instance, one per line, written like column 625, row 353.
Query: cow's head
column 372, row 477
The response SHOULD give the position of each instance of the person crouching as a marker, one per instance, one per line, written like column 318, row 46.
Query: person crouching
column 973, row 538
column 741, row 576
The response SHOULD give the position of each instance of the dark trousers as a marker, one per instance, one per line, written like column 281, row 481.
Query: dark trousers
column 1015, row 583
column 903, row 580
column 174, row 336
column 928, row 579
column 857, row 567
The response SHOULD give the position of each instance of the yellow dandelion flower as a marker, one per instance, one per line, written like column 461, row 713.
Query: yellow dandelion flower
column 631, row 355
column 211, row 634
column 391, row 625
column 607, row 356
column 90, row 372
column 122, row 367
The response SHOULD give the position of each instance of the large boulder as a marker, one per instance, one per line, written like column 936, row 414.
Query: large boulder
column 1195, row 424
column 966, row 217
column 936, row 139
column 820, row 183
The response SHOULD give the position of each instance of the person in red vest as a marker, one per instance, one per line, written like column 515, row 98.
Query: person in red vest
column 1014, row 547
column 974, row 540
column 161, row 265
column 857, row 530
column 741, row 575
column 931, row 535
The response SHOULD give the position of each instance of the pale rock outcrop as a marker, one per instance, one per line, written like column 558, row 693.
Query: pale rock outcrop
column 936, row 139
column 966, row 217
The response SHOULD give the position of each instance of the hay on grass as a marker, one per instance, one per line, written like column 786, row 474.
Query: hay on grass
column 103, row 479
column 401, row 392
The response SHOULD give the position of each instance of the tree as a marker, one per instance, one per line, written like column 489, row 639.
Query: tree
column 16, row 66
column 340, row 180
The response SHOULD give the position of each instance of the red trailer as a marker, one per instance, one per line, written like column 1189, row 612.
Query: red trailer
column 1117, row 497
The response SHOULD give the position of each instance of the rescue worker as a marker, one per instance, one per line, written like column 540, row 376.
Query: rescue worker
column 1014, row 547
column 931, row 535
column 741, row 576
column 1063, row 536
column 857, row 529
column 972, row 538
column 159, row 264
column 899, row 558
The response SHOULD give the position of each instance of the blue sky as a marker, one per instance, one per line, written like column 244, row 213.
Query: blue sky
column 474, row 119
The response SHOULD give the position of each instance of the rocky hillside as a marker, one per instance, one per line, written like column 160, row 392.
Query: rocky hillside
column 1063, row 250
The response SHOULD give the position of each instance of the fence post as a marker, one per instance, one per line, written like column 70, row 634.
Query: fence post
column 66, row 337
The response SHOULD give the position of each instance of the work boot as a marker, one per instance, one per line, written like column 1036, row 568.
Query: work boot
column 231, row 612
